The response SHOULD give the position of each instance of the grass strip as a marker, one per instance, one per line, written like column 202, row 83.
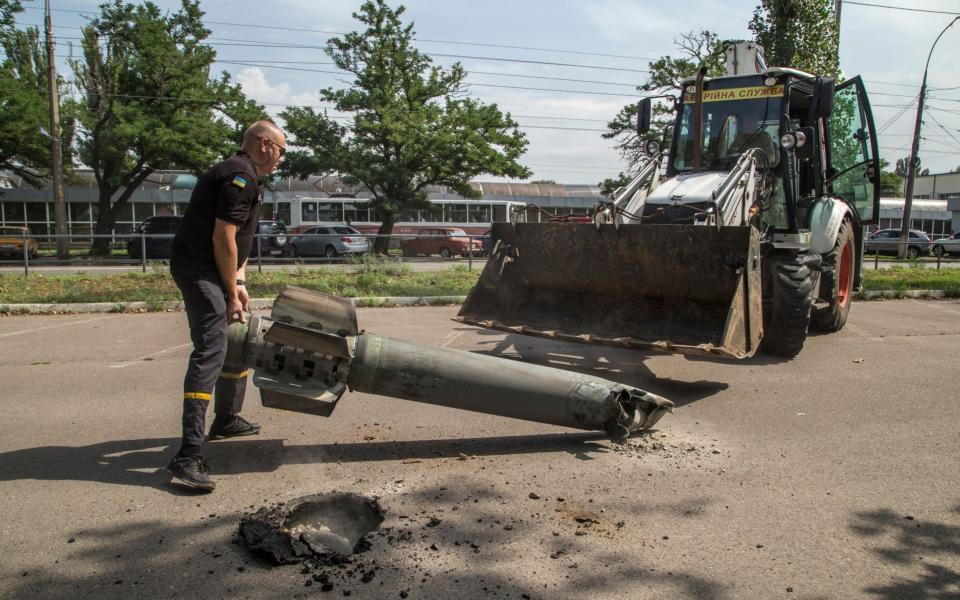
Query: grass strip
column 364, row 279
column 158, row 285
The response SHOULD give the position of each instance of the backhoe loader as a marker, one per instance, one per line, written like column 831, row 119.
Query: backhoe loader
column 744, row 235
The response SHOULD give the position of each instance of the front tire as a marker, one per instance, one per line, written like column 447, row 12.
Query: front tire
column 330, row 252
column 938, row 251
column 445, row 253
column 836, row 282
column 787, row 298
column 912, row 252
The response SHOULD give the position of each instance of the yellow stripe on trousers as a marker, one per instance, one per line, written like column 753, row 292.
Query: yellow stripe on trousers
column 228, row 375
column 197, row 396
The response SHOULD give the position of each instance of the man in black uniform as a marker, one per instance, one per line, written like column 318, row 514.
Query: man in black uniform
column 208, row 263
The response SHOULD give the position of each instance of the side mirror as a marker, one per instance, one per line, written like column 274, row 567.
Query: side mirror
column 644, row 110
column 823, row 97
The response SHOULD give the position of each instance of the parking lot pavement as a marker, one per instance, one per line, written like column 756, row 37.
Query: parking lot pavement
column 831, row 475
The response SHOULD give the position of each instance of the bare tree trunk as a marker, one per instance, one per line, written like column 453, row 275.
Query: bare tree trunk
column 104, row 226
column 382, row 244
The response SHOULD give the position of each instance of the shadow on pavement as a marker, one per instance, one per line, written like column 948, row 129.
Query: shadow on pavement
column 923, row 546
column 616, row 364
column 141, row 462
column 468, row 552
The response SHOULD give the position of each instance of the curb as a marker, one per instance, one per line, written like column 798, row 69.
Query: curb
column 896, row 294
column 364, row 301
column 177, row 305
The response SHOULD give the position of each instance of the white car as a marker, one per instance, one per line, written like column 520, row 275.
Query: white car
column 948, row 245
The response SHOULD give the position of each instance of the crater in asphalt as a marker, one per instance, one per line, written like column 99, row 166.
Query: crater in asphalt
column 315, row 525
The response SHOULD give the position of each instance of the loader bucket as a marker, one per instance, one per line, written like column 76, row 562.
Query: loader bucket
column 680, row 288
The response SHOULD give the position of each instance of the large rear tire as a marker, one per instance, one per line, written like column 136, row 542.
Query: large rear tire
column 787, row 298
column 836, row 282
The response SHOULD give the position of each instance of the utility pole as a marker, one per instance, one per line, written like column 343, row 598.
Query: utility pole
column 56, row 153
column 914, row 150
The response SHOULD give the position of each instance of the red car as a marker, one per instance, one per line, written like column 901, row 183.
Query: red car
column 445, row 241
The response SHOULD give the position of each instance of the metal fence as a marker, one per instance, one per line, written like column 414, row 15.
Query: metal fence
column 279, row 248
column 276, row 248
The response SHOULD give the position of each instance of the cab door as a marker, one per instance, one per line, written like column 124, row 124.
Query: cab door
column 854, row 159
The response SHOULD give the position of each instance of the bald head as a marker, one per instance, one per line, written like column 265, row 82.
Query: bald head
column 265, row 144
column 261, row 129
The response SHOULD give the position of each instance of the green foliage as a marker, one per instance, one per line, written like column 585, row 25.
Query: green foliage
column 376, row 263
column 697, row 49
column 149, row 102
column 891, row 183
column 413, row 124
column 902, row 166
column 611, row 184
column 799, row 33
column 24, row 102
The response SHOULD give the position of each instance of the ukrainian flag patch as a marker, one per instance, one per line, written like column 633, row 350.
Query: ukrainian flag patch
column 240, row 182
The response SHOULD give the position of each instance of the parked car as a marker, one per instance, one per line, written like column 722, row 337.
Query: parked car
column 330, row 241
column 887, row 241
column 445, row 241
column 273, row 239
column 159, row 232
column 948, row 245
column 12, row 239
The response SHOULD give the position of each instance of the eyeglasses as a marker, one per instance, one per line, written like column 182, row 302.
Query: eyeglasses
column 282, row 149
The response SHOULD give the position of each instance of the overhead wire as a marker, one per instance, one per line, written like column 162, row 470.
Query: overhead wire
column 419, row 39
column 922, row 10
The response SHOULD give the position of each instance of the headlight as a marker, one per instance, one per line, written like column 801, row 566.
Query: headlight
column 281, row 240
column 793, row 139
column 652, row 147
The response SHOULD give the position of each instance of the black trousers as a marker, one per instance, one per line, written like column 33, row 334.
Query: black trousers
column 206, row 379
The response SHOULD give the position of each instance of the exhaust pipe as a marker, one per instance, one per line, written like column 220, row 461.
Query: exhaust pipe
column 310, row 351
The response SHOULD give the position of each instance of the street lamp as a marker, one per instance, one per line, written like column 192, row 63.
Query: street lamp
column 912, row 168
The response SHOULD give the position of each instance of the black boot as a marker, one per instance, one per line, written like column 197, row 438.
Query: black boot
column 232, row 426
column 192, row 471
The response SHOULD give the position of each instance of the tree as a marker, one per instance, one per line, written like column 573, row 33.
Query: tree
column 891, row 182
column 901, row 168
column 24, row 102
column 611, row 184
column 149, row 103
column 698, row 49
column 412, row 123
column 798, row 33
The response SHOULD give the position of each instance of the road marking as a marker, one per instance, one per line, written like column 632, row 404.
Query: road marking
column 35, row 329
column 859, row 330
column 447, row 339
column 146, row 356
column 939, row 306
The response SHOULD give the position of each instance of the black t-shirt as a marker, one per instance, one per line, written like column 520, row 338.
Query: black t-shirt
column 228, row 191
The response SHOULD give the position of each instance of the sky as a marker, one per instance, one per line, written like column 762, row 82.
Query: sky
column 605, row 45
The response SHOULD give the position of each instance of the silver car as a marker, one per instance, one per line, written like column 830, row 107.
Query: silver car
column 329, row 241
column 887, row 241
column 948, row 245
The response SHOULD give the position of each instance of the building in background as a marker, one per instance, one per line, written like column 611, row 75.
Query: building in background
column 301, row 204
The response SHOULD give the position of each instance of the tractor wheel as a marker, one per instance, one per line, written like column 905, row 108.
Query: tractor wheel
column 787, row 298
column 836, row 283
